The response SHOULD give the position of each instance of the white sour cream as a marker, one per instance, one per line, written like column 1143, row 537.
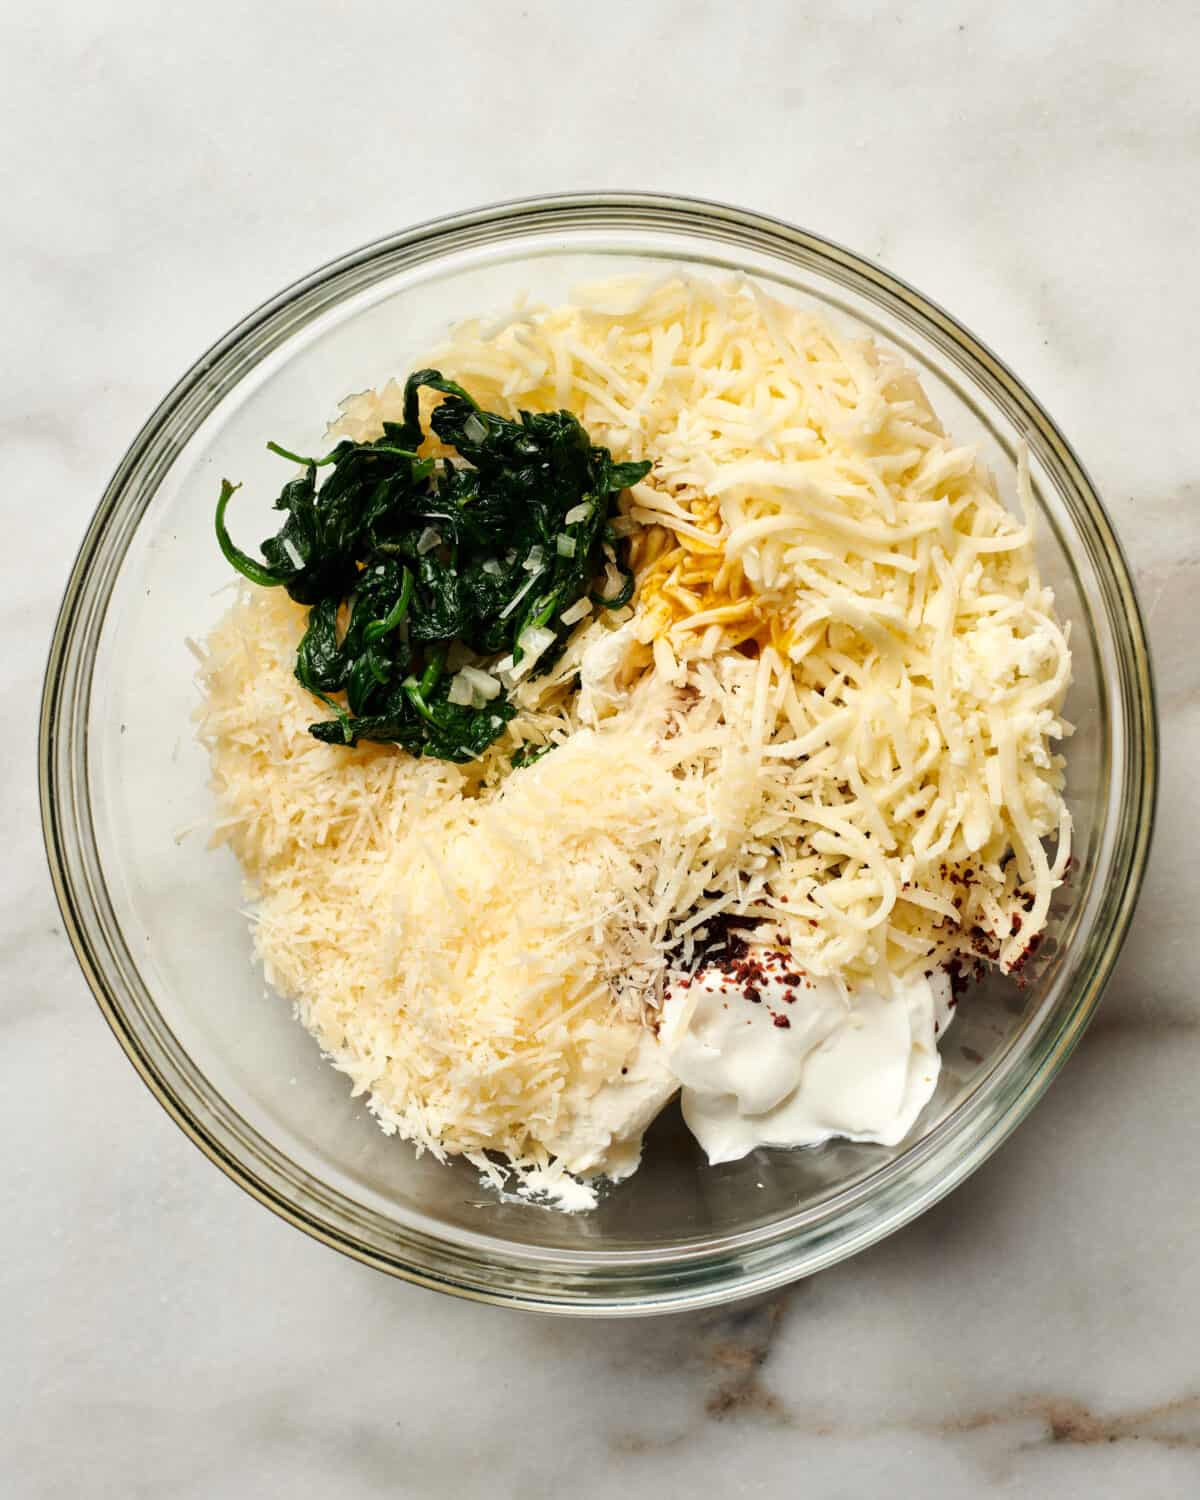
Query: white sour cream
column 804, row 1061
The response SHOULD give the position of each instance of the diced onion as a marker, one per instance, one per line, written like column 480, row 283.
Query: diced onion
column 533, row 643
column 428, row 540
column 483, row 683
column 564, row 545
column 534, row 561
column 577, row 513
column 535, row 640
column 517, row 597
column 293, row 552
column 578, row 611
column 613, row 581
column 461, row 692
column 492, row 567
column 474, row 430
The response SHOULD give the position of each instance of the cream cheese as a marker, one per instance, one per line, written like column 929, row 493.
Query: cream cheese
column 604, row 1137
column 601, row 668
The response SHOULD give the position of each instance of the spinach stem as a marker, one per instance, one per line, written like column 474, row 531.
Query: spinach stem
column 433, row 670
column 298, row 458
column 343, row 718
column 256, row 572
column 393, row 452
column 418, row 692
column 377, row 629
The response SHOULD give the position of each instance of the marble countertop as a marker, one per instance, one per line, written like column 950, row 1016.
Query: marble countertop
column 1033, row 167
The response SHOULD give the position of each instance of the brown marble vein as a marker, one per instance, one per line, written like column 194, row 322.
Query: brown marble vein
column 735, row 1347
column 1065, row 1419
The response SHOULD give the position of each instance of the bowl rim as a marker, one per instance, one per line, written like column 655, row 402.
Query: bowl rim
column 675, row 1282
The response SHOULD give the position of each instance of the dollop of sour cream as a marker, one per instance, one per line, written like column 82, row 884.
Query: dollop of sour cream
column 767, row 1056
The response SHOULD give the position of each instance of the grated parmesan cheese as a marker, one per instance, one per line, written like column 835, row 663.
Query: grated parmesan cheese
column 405, row 904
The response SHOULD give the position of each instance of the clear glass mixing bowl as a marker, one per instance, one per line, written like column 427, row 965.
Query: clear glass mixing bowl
column 156, row 919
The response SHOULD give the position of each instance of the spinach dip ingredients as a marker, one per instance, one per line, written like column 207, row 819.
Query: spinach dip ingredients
column 823, row 708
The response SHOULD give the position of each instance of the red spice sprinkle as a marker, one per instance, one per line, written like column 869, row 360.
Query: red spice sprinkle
column 778, row 1020
column 793, row 979
column 752, row 994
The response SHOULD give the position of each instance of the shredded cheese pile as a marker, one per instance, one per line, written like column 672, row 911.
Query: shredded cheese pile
column 833, row 708
column 414, row 909
column 805, row 498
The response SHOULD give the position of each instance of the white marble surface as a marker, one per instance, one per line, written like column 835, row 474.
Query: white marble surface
column 1033, row 166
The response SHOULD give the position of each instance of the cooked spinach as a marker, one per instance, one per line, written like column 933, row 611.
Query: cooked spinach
column 400, row 557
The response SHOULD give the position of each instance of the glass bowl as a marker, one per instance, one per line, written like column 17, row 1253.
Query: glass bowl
column 156, row 918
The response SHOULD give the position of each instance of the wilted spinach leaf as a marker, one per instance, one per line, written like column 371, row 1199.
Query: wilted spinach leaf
column 398, row 557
